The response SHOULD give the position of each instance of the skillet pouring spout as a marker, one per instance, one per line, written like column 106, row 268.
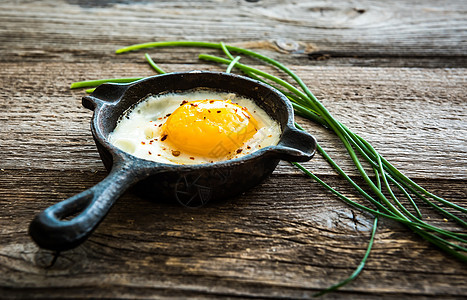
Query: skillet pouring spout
column 296, row 145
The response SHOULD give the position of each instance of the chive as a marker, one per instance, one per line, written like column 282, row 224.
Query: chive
column 416, row 192
column 226, row 51
column 94, row 83
column 229, row 55
column 232, row 64
column 358, row 205
column 168, row 44
column 153, row 64
column 359, row 268
column 411, row 224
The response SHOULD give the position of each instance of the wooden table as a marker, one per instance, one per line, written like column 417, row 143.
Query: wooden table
column 393, row 71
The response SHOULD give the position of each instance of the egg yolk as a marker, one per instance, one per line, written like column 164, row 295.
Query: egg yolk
column 211, row 128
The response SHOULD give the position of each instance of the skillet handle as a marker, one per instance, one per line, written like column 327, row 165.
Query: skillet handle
column 50, row 230
column 296, row 145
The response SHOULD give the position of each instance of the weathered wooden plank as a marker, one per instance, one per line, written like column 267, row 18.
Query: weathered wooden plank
column 286, row 238
column 270, row 242
column 357, row 33
column 44, row 125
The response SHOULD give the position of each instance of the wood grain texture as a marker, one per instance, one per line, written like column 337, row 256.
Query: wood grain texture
column 393, row 72
column 44, row 115
column 270, row 240
column 399, row 33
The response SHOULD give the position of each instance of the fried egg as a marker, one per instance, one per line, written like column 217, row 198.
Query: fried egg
column 195, row 127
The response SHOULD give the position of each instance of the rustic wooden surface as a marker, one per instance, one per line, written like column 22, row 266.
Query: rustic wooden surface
column 393, row 71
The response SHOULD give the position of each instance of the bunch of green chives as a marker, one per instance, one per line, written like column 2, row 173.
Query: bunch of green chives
column 382, row 183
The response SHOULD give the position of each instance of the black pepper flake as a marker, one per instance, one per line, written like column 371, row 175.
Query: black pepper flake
column 239, row 151
column 209, row 111
column 149, row 152
column 167, row 115
column 175, row 153
column 164, row 137
column 192, row 158
column 248, row 147
column 218, row 111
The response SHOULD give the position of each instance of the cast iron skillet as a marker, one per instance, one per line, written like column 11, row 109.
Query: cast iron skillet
column 67, row 224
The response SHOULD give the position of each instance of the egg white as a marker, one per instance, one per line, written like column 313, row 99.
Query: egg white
column 138, row 130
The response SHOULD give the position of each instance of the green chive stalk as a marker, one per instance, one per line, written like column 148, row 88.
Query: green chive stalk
column 94, row 83
column 153, row 64
column 359, row 268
